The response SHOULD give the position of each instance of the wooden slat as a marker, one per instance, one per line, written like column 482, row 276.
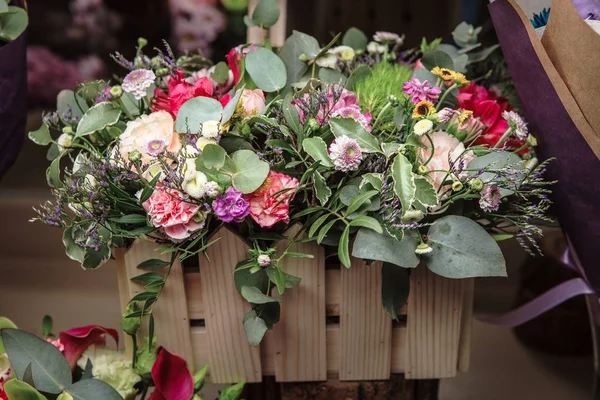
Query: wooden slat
column 267, row 351
column 433, row 325
column 172, row 325
column 231, row 358
column 365, row 328
column 466, row 326
column 300, row 344
column 193, row 292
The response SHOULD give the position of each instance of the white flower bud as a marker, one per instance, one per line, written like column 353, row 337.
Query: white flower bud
column 64, row 140
column 212, row 189
column 210, row 129
column 196, row 187
column 264, row 260
column 423, row 126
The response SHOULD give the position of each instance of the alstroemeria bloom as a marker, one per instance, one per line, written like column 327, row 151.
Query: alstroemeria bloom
column 172, row 377
column 77, row 340
column 234, row 59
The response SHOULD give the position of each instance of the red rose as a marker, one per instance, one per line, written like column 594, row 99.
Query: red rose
column 180, row 91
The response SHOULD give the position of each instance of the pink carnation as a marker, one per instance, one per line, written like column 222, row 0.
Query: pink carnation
column 167, row 210
column 266, row 207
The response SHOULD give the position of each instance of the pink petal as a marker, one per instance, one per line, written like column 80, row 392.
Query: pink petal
column 172, row 377
column 77, row 340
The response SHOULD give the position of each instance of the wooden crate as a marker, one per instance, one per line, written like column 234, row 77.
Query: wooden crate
column 332, row 325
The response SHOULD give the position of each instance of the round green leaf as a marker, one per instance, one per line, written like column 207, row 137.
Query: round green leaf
column 297, row 44
column 213, row 156
column 437, row 58
column 495, row 161
column 370, row 245
column 19, row 390
column 67, row 101
column 49, row 369
column 194, row 112
column 98, row 117
column 395, row 287
column 355, row 38
column 251, row 171
column 254, row 295
column 266, row 69
column 13, row 23
column 266, row 13
column 255, row 328
column 463, row 249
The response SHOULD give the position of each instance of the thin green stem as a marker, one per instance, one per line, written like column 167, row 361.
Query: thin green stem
column 504, row 136
column 451, row 88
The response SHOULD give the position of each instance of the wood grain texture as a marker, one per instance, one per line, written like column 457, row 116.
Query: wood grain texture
column 365, row 328
column 172, row 326
column 300, row 343
column 231, row 358
column 433, row 325
column 466, row 326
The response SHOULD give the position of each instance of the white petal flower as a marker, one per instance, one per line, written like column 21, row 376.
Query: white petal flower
column 327, row 60
column 137, row 82
column 346, row 53
column 423, row 126
column 64, row 140
column 196, row 187
column 210, row 129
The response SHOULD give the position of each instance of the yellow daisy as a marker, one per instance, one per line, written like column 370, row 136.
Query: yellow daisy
column 464, row 116
column 461, row 79
column 444, row 73
column 423, row 109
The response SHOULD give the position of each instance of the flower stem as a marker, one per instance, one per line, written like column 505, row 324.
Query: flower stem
column 504, row 136
column 439, row 104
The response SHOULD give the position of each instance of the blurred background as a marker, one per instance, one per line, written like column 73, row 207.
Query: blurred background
column 70, row 41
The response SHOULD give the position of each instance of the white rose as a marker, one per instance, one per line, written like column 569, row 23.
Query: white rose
column 196, row 187
column 65, row 140
column 210, row 129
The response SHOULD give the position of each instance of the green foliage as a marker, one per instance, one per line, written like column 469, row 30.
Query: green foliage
column 395, row 287
column 373, row 91
column 353, row 129
column 5, row 323
column 196, row 111
column 255, row 328
column 317, row 149
column 265, row 14
column 13, row 22
column 266, row 70
column 250, row 171
column 404, row 181
column 355, row 38
column 371, row 245
column 465, row 35
column 463, row 249
column 19, row 390
column 41, row 136
column 296, row 45
column 47, row 326
column 233, row 392
column 97, row 118
column 437, row 58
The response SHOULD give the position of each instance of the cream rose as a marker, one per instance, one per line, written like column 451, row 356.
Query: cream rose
column 445, row 146
column 150, row 135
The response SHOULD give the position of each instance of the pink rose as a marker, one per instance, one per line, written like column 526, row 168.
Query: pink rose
column 167, row 210
column 252, row 101
column 266, row 208
column 445, row 147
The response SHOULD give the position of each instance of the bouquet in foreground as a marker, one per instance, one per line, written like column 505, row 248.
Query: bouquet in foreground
column 377, row 152
column 77, row 364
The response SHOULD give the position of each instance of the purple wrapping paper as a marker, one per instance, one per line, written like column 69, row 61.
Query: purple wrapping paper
column 13, row 101
column 556, row 118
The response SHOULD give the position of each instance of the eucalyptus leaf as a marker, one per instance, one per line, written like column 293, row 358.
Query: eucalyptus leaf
column 41, row 136
column 93, row 389
column 481, row 55
column 213, row 156
column 232, row 143
column 370, row 245
column 355, row 38
column 496, row 160
column 96, row 118
column 297, row 44
column 359, row 200
column 49, row 368
column 317, row 149
column 290, row 113
column 196, row 111
column 251, row 171
column 354, row 130
column 424, row 74
column 328, row 75
column 255, row 295
column 3, row 6
column 395, row 287
column 255, row 328
column 243, row 277
column 404, row 181
column 220, row 73
column 13, row 23
column 289, row 281
column 19, row 390
column 437, row 58
column 463, row 249
column 348, row 194
column 266, row 69
column 266, row 13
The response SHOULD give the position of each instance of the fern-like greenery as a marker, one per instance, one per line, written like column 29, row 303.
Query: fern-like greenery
column 373, row 92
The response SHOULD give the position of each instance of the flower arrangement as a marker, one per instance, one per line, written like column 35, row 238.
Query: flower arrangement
column 375, row 152
column 77, row 364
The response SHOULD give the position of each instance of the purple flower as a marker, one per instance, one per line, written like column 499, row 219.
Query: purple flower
column 490, row 198
column 421, row 91
column 232, row 206
column 138, row 81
